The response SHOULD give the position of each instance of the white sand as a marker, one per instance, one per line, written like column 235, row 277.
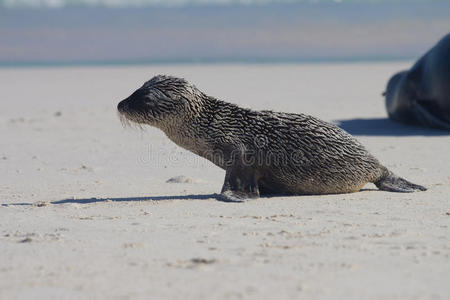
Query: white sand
column 62, row 142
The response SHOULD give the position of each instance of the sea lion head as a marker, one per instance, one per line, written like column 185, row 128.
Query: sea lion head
column 398, row 92
column 393, row 85
column 161, row 101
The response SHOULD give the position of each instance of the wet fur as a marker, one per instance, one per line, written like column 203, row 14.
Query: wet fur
column 263, row 152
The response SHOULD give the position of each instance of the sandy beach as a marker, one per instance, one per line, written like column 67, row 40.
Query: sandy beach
column 87, row 212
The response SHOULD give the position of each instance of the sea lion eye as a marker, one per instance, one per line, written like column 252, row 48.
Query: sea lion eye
column 150, row 102
column 173, row 96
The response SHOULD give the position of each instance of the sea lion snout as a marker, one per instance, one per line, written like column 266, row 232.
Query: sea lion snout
column 122, row 106
column 136, row 102
column 129, row 109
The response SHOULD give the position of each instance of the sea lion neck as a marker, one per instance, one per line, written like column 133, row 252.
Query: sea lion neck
column 193, row 123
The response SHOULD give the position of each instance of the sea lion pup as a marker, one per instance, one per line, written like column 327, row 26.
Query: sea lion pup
column 262, row 152
column 421, row 95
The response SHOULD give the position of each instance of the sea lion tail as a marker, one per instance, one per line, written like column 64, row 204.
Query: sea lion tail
column 393, row 183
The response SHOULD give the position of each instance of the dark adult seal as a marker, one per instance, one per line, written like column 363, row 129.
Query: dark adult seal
column 421, row 95
column 263, row 152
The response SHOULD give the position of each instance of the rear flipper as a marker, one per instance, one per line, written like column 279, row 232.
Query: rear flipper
column 393, row 183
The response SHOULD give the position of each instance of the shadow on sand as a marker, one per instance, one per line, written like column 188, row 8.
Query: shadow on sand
column 130, row 199
column 127, row 199
column 216, row 197
column 386, row 127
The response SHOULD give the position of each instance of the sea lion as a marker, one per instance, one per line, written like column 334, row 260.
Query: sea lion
column 263, row 152
column 421, row 95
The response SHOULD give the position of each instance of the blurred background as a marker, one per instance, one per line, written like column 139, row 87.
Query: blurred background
column 70, row 32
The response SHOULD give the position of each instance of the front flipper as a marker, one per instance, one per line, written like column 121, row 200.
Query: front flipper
column 241, row 183
column 230, row 196
column 428, row 114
